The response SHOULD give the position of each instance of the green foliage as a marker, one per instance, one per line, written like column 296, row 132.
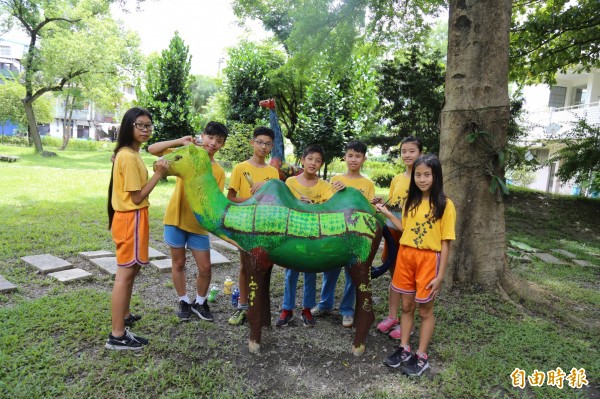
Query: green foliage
column 383, row 178
column 11, row 106
column 238, row 148
column 580, row 156
column 521, row 177
column 70, row 40
column 324, row 120
column 247, row 79
column 202, row 88
column 411, row 95
column 167, row 92
column 548, row 37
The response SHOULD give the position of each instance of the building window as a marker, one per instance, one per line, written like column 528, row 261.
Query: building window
column 5, row 51
column 558, row 94
column 540, row 154
column 579, row 95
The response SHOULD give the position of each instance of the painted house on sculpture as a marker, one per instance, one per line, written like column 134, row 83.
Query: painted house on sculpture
column 552, row 111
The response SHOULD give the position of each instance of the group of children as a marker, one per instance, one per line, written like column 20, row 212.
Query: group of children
column 420, row 216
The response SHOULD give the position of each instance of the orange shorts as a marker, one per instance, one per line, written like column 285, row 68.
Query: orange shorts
column 130, row 232
column 415, row 268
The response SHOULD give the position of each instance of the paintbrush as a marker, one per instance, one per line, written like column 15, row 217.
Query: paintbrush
column 298, row 191
column 248, row 179
column 385, row 203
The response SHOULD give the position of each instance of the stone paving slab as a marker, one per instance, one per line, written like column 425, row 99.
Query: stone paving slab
column 522, row 246
column 155, row 254
column 547, row 258
column 6, row 286
column 565, row 253
column 71, row 275
column 217, row 258
column 107, row 265
column 163, row 265
column 584, row 263
column 96, row 254
column 47, row 263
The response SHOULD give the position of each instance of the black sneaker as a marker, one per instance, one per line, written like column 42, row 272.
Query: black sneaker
column 308, row 318
column 129, row 341
column 202, row 311
column 185, row 311
column 131, row 319
column 284, row 318
column 397, row 358
column 415, row 366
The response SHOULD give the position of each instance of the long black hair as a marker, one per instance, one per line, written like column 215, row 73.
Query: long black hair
column 437, row 197
column 124, row 139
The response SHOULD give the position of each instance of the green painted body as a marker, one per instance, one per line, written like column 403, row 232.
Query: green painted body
column 273, row 223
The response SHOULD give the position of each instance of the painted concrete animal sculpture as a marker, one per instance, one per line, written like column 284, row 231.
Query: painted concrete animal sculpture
column 273, row 227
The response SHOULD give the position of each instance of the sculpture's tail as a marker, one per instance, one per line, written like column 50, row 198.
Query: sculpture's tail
column 392, row 252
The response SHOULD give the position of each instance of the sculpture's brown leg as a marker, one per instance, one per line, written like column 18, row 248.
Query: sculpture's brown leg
column 254, row 300
column 258, row 274
column 364, row 317
column 266, row 312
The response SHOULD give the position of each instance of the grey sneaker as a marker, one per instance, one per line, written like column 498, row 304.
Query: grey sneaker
column 397, row 358
column 415, row 366
column 129, row 341
column 202, row 311
column 318, row 312
column 185, row 311
column 131, row 319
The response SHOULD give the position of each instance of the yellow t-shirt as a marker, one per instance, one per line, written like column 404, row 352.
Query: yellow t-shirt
column 362, row 184
column 318, row 193
column 420, row 232
column 179, row 213
column 399, row 191
column 240, row 184
column 129, row 174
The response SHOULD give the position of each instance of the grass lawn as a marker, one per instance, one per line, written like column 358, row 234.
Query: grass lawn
column 52, row 334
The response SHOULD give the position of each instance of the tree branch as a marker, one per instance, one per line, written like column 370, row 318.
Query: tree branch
column 57, row 87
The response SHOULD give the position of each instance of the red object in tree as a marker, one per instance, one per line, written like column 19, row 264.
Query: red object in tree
column 269, row 104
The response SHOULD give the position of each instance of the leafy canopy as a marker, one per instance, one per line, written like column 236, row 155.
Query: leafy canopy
column 553, row 36
column 166, row 93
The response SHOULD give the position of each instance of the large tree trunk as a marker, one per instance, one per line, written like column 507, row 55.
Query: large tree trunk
column 33, row 132
column 67, row 122
column 476, row 101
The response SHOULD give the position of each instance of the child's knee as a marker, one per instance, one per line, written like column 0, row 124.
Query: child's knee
column 426, row 310
column 204, row 269
column 178, row 265
column 408, row 306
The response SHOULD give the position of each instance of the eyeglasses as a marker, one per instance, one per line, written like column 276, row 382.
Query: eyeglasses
column 141, row 126
column 263, row 144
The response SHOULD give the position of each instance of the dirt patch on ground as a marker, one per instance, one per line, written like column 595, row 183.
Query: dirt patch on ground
column 294, row 360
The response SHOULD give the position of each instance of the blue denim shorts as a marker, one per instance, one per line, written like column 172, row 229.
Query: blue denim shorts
column 176, row 238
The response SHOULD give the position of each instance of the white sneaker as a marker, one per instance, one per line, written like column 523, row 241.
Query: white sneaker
column 347, row 321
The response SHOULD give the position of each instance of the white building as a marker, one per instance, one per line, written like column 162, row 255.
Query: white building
column 87, row 123
column 552, row 111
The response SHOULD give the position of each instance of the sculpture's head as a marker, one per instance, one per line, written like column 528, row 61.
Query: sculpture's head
column 188, row 161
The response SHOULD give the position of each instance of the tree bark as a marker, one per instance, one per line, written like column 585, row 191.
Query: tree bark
column 66, row 125
column 476, row 104
column 33, row 132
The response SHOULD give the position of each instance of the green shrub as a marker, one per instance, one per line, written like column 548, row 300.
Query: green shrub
column 383, row 178
column 14, row 140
